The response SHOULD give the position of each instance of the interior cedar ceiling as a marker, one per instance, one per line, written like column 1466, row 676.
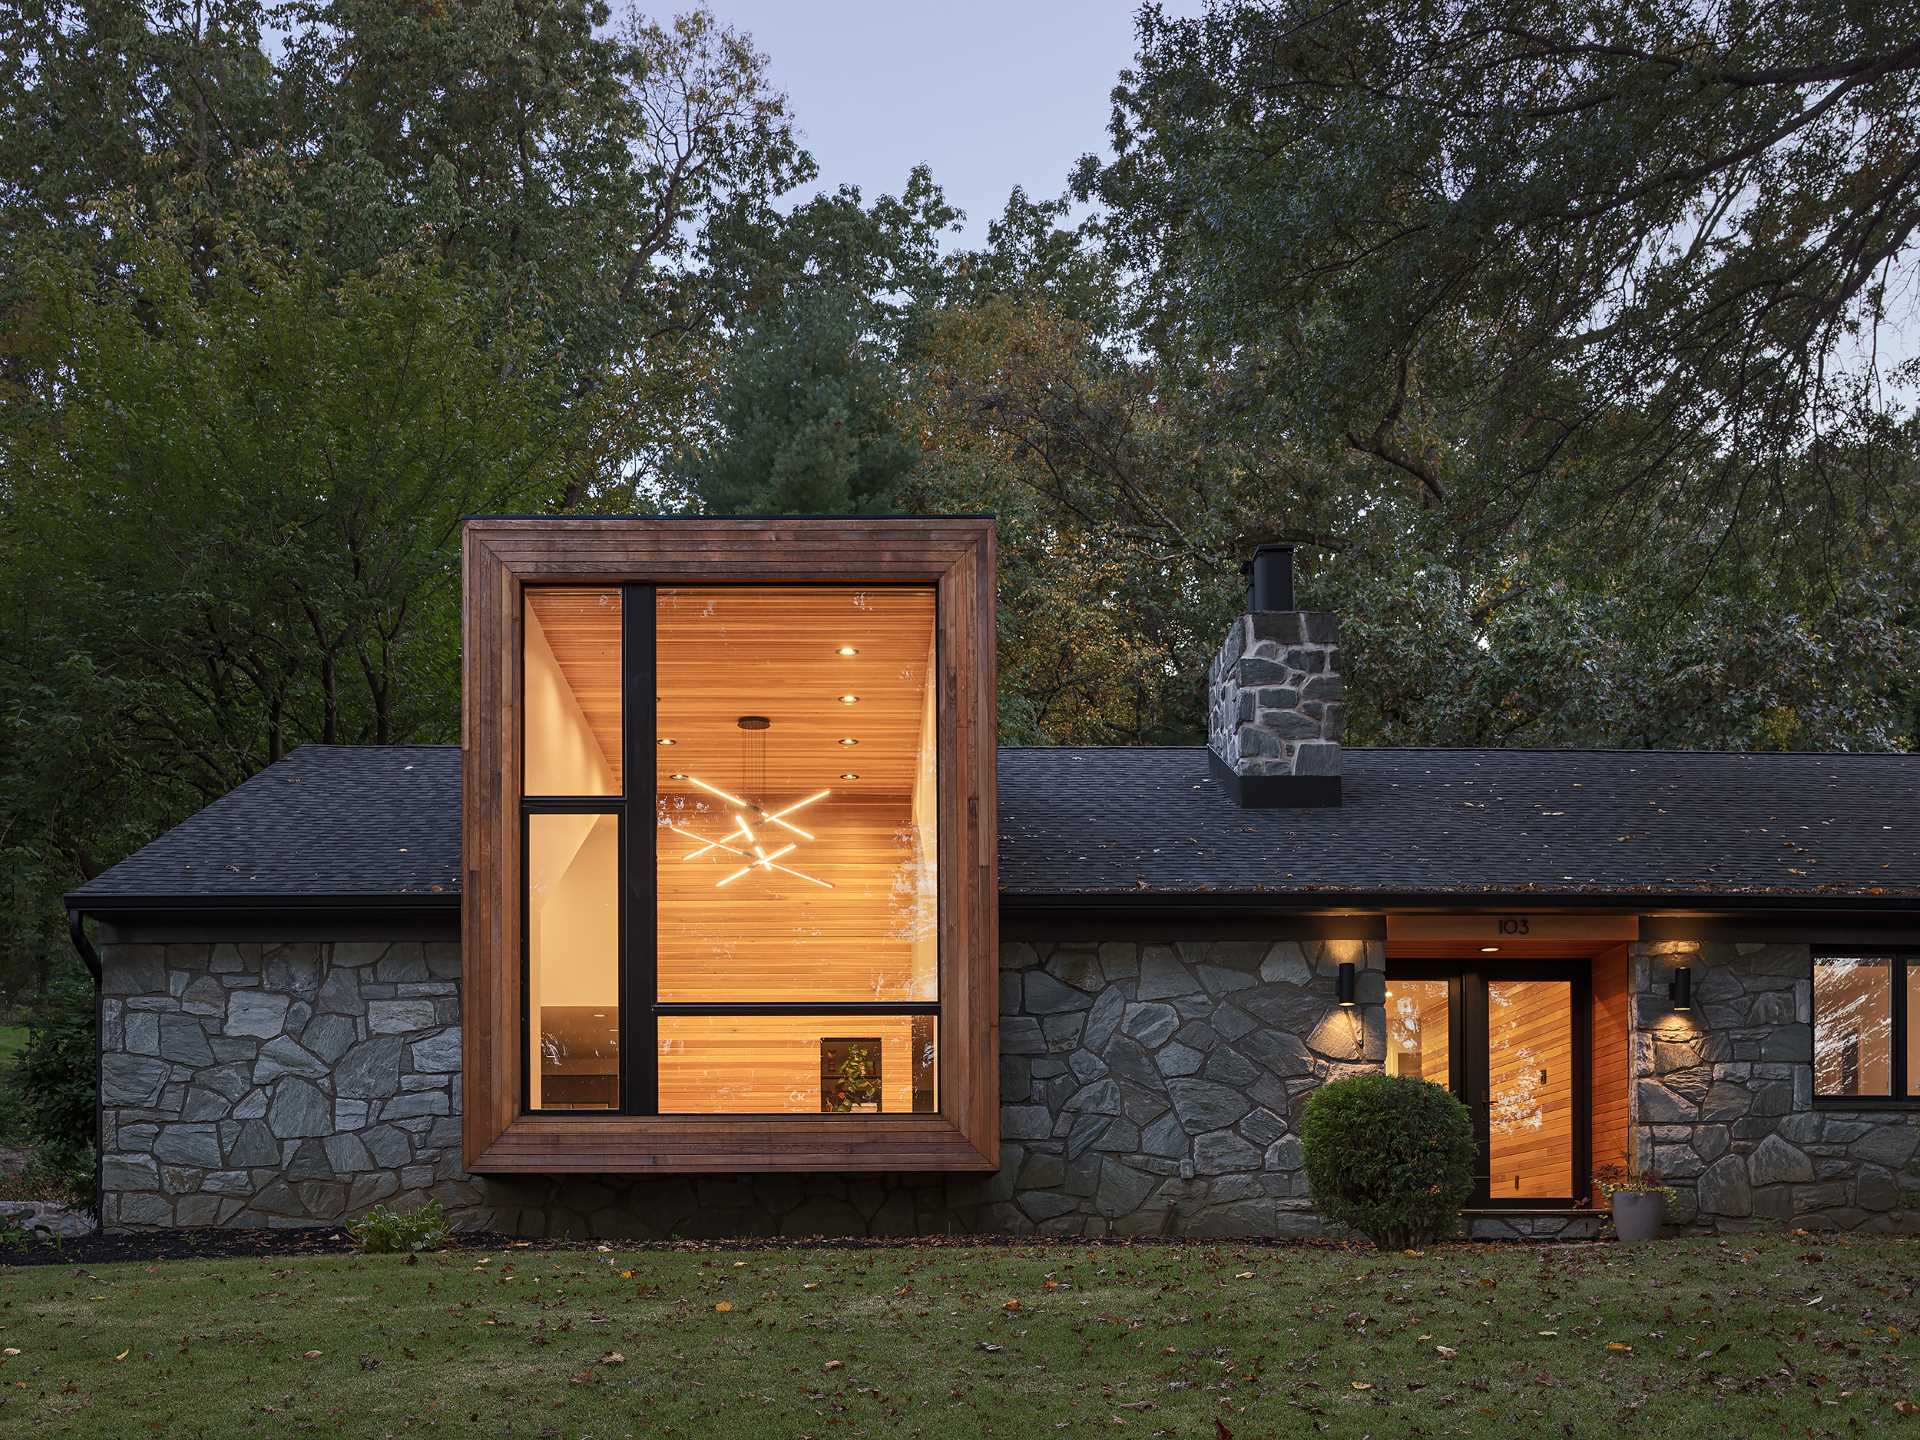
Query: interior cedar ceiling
column 383, row 822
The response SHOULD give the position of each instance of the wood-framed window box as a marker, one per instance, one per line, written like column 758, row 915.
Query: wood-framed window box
column 728, row 830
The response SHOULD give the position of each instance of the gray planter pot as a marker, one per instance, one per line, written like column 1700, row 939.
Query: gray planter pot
column 1636, row 1217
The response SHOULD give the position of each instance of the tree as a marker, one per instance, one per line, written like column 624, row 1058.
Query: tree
column 564, row 163
column 1603, row 269
column 230, row 520
column 807, row 418
column 287, row 289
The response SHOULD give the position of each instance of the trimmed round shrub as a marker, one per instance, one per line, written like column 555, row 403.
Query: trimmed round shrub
column 1389, row 1156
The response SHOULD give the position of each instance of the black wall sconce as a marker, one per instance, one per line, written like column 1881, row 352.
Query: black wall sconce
column 1345, row 985
column 1680, row 987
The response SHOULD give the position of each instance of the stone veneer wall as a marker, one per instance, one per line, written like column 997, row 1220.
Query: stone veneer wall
column 1274, row 695
column 1723, row 1103
column 1146, row 1089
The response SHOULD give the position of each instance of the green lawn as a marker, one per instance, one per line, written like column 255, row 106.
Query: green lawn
column 1777, row 1336
column 13, row 1039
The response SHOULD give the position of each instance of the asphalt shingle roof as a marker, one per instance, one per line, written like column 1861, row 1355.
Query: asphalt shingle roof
column 328, row 821
column 383, row 824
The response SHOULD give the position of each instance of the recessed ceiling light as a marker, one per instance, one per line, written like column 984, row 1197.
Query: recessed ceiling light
column 663, row 740
column 849, row 699
column 849, row 774
column 847, row 650
column 1489, row 949
column 849, row 740
column 677, row 775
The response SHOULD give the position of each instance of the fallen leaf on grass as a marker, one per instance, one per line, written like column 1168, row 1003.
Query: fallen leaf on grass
column 723, row 1307
column 613, row 1357
column 1546, row 1334
column 1361, row 1384
column 304, row 1354
column 9, row 1352
column 990, row 1347
column 1617, row 1348
column 1244, row 1275
column 833, row 1365
column 1445, row 1352
column 1013, row 1304
column 124, row 1353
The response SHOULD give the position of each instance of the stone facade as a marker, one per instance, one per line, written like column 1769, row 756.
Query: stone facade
column 1146, row 1089
column 1722, row 1105
column 1274, row 696
column 267, row 1085
column 1156, row 1089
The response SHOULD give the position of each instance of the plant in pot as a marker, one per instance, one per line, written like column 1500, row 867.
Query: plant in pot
column 855, row 1086
column 1637, row 1198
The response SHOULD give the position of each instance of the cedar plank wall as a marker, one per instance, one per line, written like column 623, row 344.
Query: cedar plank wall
column 1610, row 1005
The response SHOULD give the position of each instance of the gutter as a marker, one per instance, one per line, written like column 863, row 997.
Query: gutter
column 1331, row 901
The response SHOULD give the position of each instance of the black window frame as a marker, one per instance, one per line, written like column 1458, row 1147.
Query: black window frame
column 638, row 944
column 1900, row 960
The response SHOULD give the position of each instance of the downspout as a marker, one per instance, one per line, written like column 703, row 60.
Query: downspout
column 89, row 957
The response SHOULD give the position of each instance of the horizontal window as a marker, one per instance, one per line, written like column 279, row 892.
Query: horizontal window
column 797, row 1064
column 1864, row 1015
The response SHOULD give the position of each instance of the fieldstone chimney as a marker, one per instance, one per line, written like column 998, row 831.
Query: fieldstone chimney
column 1274, row 703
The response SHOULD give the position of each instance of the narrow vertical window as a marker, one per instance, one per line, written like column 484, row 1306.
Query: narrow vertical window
column 1419, row 1024
column 571, row 689
column 573, row 971
column 572, row 788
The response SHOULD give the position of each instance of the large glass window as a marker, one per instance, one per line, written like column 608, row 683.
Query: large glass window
column 1864, row 1018
column 775, row 928
column 796, row 856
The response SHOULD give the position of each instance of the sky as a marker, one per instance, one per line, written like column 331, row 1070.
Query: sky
column 989, row 93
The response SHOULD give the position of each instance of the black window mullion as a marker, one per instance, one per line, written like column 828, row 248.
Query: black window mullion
column 639, row 910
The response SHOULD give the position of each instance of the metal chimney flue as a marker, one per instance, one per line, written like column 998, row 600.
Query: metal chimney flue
column 1270, row 579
